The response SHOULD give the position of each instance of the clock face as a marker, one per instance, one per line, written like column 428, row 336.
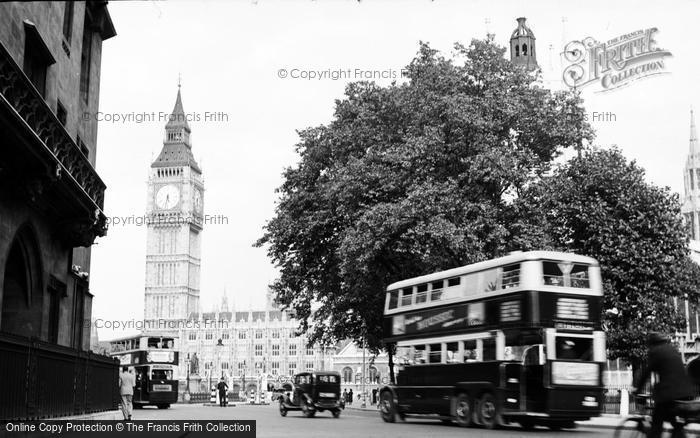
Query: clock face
column 167, row 197
column 198, row 201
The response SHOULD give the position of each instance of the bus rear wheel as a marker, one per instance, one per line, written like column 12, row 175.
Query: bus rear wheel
column 463, row 411
column 387, row 407
column 488, row 411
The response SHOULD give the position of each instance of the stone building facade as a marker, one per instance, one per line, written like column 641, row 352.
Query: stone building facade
column 253, row 349
column 352, row 364
column 51, row 197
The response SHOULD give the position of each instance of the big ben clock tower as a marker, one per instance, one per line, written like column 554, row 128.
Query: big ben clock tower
column 174, row 233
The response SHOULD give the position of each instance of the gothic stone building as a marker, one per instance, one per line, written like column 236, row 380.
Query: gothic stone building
column 690, row 345
column 51, row 201
column 251, row 349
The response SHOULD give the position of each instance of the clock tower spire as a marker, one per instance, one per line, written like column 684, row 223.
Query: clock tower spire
column 174, row 230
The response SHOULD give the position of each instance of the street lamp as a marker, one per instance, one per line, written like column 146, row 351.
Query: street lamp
column 187, row 388
column 219, row 343
column 364, row 365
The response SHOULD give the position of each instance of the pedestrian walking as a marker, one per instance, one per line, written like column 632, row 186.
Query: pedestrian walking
column 345, row 395
column 350, row 396
column 126, row 390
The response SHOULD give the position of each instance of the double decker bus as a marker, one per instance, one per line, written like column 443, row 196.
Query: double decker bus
column 153, row 359
column 515, row 339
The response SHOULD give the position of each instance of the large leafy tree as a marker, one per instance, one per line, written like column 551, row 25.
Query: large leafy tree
column 410, row 179
column 599, row 204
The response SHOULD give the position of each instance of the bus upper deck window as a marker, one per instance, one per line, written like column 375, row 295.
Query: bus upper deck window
column 436, row 293
column 565, row 274
column 553, row 276
column 393, row 299
column 579, row 276
column 510, row 277
column 421, row 293
column 407, row 298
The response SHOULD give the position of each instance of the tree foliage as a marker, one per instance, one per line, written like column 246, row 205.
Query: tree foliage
column 410, row 179
column 600, row 205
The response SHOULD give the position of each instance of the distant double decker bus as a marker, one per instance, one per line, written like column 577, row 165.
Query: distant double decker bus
column 153, row 359
column 513, row 339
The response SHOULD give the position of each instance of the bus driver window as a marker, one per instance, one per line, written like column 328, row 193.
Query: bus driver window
column 571, row 348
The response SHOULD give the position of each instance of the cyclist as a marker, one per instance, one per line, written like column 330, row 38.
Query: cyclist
column 673, row 384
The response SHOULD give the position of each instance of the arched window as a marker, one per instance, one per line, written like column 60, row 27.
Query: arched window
column 22, row 289
column 347, row 375
column 524, row 49
column 517, row 50
column 373, row 374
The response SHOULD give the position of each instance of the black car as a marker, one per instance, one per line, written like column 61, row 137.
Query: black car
column 313, row 392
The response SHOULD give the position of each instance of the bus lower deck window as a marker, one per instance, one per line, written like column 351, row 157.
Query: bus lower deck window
column 453, row 352
column 419, row 354
column 435, row 353
column 489, row 347
column 470, row 352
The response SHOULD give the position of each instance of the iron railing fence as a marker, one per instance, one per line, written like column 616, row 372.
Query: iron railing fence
column 43, row 380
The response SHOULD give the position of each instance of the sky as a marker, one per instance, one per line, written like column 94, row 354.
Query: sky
column 236, row 60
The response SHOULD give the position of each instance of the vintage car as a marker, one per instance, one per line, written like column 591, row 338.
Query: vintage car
column 313, row 392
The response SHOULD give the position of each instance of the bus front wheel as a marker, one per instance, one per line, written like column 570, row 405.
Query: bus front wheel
column 387, row 407
column 463, row 411
column 488, row 411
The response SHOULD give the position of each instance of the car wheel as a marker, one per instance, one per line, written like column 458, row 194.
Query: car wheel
column 307, row 410
column 387, row 407
column 336, row 413
column 488, row 411
column 283, row 410
column 463, row 410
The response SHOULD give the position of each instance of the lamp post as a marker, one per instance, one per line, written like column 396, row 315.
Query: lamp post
column 187, row 388
column 243, row 388
column 219, row 344
column 364, row 365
